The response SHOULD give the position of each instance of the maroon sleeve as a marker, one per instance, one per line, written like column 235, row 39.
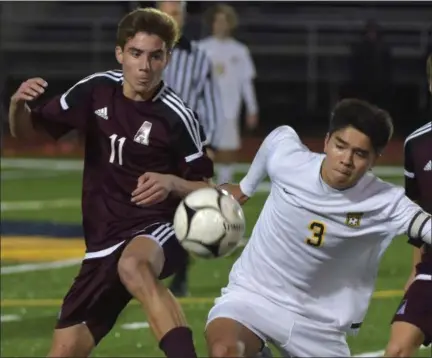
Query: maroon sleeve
column 194, row 164
column 411, row 188
column 66, row 112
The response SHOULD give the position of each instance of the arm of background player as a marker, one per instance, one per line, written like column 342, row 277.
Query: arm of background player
column 212, row 101
column 412, row 192
column 248, row 88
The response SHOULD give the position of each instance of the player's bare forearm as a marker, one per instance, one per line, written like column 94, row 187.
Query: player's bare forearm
column 235, row 191
column 182, row 187
column 20, row 122
column 20, row 116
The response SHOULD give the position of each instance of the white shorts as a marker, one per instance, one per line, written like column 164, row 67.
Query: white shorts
column 228, row 135
column 294, row 335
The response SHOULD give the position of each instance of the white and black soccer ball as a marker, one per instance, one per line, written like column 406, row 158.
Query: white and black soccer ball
column 209, row 223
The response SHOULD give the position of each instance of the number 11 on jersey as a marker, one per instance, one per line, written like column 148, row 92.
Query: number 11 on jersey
column 318, row 230
column 117, row 147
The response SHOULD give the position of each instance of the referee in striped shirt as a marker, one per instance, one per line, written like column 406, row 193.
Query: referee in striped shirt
column 189, row 73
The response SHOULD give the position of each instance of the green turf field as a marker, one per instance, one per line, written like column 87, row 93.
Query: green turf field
column 31, row 300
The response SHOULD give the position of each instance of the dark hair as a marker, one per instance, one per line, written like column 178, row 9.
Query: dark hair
column 229, row 12
column 151, row 21
column 374, row 122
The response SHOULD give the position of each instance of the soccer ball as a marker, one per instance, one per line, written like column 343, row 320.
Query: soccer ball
column 209, row 223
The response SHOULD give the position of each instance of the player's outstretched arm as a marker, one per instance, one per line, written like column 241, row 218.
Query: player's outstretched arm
column 20, row 118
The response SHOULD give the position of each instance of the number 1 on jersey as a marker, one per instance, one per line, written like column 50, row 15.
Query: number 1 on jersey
column 318, row 232
column 121, row 142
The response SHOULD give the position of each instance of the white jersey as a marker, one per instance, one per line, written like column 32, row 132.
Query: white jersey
column 234, row 71
column 315, row 250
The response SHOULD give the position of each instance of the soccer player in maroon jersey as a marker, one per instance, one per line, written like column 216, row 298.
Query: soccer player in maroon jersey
column 133, row 124
column 412, row 323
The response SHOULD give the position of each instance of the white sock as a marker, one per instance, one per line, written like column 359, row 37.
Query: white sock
column 225, row 174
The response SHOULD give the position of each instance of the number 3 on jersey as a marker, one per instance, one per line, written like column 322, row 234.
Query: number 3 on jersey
column 117, row 148
column 318, row 230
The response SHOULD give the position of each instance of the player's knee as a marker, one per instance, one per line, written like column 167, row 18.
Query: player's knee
column 227, row 349
column 71, row 342
column 133, row 271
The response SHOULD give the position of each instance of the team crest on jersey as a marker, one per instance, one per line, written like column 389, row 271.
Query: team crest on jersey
column 353, row 219
column 143, row 134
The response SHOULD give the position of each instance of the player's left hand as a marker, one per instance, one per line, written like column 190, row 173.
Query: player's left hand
column 152, row 188
column 252, row 121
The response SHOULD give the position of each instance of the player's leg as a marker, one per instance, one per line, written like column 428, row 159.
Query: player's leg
column 143, row 261
column 309, row 338
column 74, row 341
column 229, row 143
column 227, row 337
column 412, row 323
column 226, row 160
column 90, row 308
column 179, row 283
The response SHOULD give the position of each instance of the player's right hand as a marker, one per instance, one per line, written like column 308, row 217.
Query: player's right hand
column 30, row 90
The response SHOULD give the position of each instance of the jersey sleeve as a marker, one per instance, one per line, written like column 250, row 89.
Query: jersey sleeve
column 248, row 66
column 66, row 112
column 402, row 211
column 411, row 187
column 283, row 136
column 188, row 141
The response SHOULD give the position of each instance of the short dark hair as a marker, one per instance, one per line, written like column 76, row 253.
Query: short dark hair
column 151, row 21
column 371, row 120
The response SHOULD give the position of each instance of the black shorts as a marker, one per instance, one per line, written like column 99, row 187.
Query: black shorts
column 416, row 308
column 97, row 295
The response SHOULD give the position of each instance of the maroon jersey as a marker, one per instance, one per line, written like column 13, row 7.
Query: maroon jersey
column 125, row 139
column 418, row 179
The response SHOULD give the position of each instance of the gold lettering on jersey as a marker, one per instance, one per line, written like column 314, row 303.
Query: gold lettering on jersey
column 353, row 219
column 143, row 134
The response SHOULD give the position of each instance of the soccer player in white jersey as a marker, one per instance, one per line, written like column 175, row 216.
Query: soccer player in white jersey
column 306, row 276
column 234, row 71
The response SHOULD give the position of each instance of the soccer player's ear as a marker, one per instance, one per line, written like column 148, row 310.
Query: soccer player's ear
column 119, row 54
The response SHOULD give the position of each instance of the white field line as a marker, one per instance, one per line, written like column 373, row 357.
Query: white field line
column 74, row 164
column 39, row 204
column 379, row 353
column 8, row 270
column 10, row 318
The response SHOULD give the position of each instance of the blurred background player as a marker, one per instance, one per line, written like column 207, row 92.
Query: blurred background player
column 133, row 124
column 189, row 73
column 412, row 323
column 234, row 71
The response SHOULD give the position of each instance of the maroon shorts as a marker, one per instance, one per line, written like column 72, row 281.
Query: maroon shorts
column 97, row 295
column 416, row 308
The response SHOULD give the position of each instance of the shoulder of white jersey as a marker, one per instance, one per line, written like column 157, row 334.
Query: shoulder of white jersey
column 420, row 132
column 88, row 83
column 282, row 132
column 181, row 112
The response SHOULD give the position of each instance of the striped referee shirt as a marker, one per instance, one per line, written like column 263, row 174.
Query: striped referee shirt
column 189, row 73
